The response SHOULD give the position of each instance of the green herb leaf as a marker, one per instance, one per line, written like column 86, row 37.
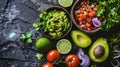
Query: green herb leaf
column 109, row 9
column 36, row 25
column 93, row 65
column 28, row 34
column 22, row 37
column 29, row 41
column 39, row 56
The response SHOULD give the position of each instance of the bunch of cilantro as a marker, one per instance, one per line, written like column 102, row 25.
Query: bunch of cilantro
column 110, row 11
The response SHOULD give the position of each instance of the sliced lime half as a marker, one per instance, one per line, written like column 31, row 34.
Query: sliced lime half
column 65, row 3
column 64, row 46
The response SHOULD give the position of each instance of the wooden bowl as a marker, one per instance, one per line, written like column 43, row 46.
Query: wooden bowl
column 73, row 9
column 69, row 18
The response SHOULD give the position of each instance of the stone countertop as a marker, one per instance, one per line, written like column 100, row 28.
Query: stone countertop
column 16, row 17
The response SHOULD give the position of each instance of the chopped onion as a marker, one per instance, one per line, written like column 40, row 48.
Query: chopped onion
column 96, row 22
column 85, row 59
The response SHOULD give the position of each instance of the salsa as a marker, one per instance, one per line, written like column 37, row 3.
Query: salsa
column 84, row 14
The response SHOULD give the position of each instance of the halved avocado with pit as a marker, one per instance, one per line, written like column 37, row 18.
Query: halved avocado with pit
column 81, row 39
column 99, row 51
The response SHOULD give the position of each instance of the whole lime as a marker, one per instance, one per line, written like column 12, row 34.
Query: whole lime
column 43, row 45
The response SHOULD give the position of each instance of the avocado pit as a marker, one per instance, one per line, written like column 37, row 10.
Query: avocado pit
column 99, row 51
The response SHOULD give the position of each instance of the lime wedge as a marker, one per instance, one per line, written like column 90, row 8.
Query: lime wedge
column 65, row 3
column 64, row 46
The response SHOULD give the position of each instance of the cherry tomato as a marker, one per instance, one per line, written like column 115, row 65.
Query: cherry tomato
column 48, row 65
column 53, row 55
column 72, row 60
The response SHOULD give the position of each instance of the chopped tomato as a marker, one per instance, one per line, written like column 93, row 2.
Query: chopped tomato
column 82, row 16
column 80, row 23
column 89, row 10
column 88, row 20
column 87, row 25
column 85, row 14
column 80, row 19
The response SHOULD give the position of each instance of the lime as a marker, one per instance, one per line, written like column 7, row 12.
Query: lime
column 43, row 44
column 64, row 46
column 65, row 3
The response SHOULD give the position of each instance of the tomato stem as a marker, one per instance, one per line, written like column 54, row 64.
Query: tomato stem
column 60, row 61
column 70, row 60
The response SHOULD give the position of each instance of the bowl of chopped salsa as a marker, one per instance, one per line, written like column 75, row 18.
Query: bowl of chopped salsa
column 83, row 14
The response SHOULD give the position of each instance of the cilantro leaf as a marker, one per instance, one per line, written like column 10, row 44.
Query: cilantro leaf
column 29, row 41
column 28, row 34
column 22, row 37
column 39, row 56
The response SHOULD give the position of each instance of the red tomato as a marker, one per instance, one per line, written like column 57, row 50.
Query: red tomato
column 87, row 25
column 82, row 16
column 92, row 14
column 72, row 60
column 88, row 20
column 80, row 23
column 80, row 19
column 53, row 55
column 89, row 10
column 48, row 65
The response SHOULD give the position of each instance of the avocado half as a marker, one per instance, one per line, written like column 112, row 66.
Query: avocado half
column 99, row 42
column 81, row 39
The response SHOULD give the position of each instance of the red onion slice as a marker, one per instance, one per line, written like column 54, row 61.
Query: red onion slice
column 85, row 59
column 96, row 22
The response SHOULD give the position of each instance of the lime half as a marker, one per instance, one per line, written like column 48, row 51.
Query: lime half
column 64, row 46
column 65, row 3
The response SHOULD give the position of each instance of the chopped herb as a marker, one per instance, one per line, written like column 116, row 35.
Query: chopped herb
column 36, row 25
column 39, row 56
column 27, row 37
column 109, row 9
column 29, row 41
column 28, row 34
column 22, row 37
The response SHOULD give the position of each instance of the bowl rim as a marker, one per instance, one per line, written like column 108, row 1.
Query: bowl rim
column 69, row 18
column 75, row 22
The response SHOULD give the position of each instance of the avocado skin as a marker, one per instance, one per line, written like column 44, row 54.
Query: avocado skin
column 103, row 42
column 81, row 39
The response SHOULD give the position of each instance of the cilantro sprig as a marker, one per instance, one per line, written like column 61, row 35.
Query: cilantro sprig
column 109, row 9
column 27, row 38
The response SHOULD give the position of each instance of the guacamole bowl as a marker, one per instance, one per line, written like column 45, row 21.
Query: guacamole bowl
column 55, row 22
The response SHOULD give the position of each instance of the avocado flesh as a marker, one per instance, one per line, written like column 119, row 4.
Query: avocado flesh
column 102, row 42
column 80, row 39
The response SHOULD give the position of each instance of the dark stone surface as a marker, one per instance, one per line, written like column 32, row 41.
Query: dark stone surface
column 2, row 40
column 3, row 4
column 11, row 51
column 17, row 17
